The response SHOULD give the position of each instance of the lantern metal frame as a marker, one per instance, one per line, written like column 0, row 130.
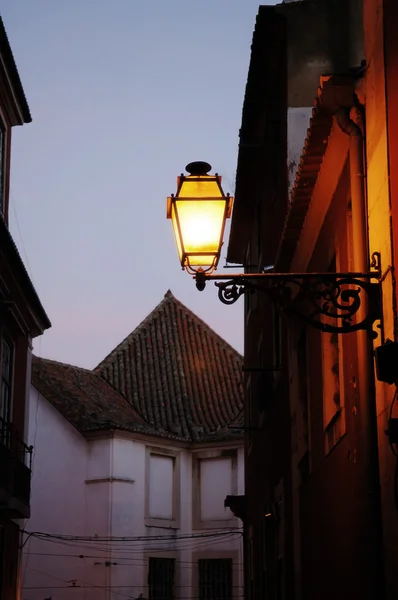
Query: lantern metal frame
column 197, row 171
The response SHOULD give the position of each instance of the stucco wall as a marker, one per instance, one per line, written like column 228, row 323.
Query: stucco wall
column 381, row 219
column 59, row 505
column 100, row 487
column 324, row 36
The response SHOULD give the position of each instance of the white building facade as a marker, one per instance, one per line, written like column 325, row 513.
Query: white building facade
column 119, row 510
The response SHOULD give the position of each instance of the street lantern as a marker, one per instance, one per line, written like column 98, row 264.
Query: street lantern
column 333, row 302
column 198, row 212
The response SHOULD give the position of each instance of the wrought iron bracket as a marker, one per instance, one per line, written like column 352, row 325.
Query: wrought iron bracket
column 331, row 302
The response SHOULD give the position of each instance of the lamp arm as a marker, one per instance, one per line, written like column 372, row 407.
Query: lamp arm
column 326, row 301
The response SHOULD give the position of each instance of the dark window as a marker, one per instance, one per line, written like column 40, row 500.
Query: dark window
column 215, row 579
column 7, row 360
column 2, row 165
column 161, row 578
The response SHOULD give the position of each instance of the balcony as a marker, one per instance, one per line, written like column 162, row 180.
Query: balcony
column 15, row 474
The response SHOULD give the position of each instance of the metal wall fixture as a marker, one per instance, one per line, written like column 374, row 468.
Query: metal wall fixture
column 331, row 302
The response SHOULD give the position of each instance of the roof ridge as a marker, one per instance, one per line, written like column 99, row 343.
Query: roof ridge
column 168, row 298
column 209, row 328
column 108, row 383
column 63, row 364
column 174, row 369
column 168, row 295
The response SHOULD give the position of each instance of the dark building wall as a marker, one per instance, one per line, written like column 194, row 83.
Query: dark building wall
column 9, row 557
column 261, row 176
column 293, row 45
column 324, row 36
column 315, row 491
column 335, row 542
column 22, row 317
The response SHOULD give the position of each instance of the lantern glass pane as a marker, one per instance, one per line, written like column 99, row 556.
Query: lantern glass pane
column 201, row 260
column 176, row 232
column 200, row 187
column 201, row 225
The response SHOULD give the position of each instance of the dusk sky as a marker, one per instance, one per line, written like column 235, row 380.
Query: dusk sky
column 123, row 94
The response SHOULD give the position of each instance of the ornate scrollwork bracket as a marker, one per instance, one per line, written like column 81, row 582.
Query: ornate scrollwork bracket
column 331, row 302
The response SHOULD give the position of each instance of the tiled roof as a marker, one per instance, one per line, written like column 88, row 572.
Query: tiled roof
column 172, row 377
column 334, row 91
column 181, row 376
column 305, row 181
column 83, row 398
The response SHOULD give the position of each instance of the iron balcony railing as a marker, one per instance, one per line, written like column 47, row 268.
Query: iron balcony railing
column 15, row 463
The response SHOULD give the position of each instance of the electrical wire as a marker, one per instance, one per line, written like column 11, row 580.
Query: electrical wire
column 140, row 586
column 89, row 585
column 76, row 584
column 130, row 551
column 134, row 547
column 139, row 538
column 135, row 561
column 14, row 205
column 186, row 542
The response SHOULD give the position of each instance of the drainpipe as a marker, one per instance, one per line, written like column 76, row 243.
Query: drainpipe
column 367, row 455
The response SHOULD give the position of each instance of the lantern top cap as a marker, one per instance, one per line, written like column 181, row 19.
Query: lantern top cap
column 198, row 167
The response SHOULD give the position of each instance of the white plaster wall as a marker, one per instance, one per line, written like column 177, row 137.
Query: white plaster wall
column 128, row 488
column 186, row 492
column 99, row 459
column 58, row 506
column 127, row 493
column 98, row 488
column 298, row 120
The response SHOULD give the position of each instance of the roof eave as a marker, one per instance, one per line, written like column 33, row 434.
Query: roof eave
column 334, row 92
column 264, row 78
column 21, row 107
column 40, row 321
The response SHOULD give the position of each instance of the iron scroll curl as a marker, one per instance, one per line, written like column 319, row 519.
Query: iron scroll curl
column 330, row 302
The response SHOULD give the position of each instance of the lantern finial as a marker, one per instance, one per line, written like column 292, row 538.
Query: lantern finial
column 198, row 167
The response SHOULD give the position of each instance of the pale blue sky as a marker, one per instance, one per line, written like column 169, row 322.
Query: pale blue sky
column 123, row 94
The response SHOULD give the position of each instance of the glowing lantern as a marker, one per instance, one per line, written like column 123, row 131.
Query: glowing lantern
column 198, row 212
